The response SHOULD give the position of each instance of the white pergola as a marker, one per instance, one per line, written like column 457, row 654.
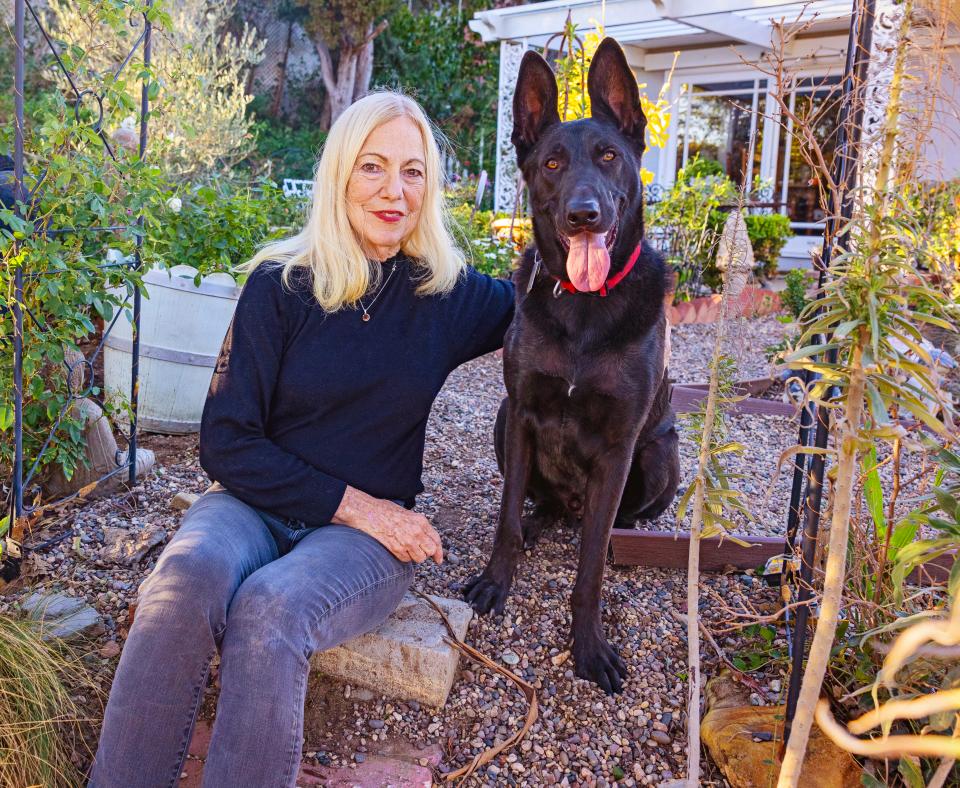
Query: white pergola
column 717, row 40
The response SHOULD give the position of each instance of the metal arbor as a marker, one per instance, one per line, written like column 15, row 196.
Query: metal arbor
column 25, row 202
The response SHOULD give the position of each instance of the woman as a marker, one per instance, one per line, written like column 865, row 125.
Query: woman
column 313, row 431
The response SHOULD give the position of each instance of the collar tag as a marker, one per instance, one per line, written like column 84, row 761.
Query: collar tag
column 535, row 272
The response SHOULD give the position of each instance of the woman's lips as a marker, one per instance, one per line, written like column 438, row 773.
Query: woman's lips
column 388, row 216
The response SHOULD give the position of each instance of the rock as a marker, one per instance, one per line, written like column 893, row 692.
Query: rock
column 61, row 616
column 183, row 501
column 406, row 657
column 510, row 658
column 661, row 738
column 110, row 649
column 126, row 547
column 744, row 741
column 101, row 451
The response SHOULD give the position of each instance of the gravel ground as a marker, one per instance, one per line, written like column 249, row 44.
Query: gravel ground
column 691, row 347
column 581, row 736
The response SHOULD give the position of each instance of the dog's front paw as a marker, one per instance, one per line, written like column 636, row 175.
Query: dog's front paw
column 597, row 661
column 486, row 594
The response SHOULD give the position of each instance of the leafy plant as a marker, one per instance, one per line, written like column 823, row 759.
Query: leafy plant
column 483, row 249
column 433, row 54
column 687, row 224
column 794, row 295
column 288, row 151
column 76, row 186
column 702, row 168
column 768, row 234
column 198, row 121
column 216, row 226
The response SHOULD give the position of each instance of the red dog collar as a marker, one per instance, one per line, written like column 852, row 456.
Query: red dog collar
column 613, row 281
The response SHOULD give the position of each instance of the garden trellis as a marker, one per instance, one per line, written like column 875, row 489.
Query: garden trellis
column 85, row 100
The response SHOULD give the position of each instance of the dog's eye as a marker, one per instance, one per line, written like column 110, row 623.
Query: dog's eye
column 552, row 164
column 609, row 156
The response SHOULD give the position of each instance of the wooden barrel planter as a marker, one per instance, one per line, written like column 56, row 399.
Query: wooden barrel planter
column 182, row 326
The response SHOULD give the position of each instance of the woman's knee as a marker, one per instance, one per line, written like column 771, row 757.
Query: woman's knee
column 209, row 556
column 291, row 610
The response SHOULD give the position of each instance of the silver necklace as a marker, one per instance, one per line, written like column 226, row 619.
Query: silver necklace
column 366, row 313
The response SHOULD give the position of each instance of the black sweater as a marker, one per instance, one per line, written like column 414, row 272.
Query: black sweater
column 304, row 402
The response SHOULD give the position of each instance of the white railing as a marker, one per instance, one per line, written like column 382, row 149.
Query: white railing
column 299, row 189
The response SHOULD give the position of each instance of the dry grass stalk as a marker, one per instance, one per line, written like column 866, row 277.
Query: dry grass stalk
column 734, row 277
column 39, row 721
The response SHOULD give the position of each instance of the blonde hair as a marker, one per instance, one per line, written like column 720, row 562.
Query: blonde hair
column 328, row 245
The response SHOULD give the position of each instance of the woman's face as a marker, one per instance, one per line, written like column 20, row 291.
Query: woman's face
column 386, row 188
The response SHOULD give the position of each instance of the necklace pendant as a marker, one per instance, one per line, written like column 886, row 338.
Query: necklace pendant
column 366, row 317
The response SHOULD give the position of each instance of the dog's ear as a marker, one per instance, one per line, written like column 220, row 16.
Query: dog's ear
column 534, row 103
column 613, row 91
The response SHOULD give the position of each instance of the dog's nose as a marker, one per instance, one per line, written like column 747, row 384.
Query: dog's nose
column 583, row 213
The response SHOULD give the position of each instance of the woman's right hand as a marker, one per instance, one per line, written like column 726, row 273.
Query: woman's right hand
column 408, row 535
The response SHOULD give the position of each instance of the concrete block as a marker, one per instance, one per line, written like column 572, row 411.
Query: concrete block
column 406, row 656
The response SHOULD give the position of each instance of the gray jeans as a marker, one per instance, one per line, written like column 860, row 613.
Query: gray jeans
column 268, row 593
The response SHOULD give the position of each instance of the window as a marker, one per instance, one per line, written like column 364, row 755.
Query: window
column 717, row 121
column 815, row 101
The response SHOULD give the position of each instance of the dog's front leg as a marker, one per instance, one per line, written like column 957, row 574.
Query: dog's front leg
column 594, row 658
column 489, row 591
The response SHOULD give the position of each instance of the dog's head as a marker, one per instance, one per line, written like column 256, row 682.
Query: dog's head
column 583, row 176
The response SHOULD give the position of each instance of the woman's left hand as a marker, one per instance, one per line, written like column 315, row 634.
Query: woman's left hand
column 408, row 535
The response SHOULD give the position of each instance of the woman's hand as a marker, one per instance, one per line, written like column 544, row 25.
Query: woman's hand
column 408, row 535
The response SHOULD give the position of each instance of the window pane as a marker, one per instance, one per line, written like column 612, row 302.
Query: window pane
column 719, row 128
column 818, row 105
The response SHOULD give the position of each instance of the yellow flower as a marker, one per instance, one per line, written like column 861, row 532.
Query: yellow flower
column 573, row 101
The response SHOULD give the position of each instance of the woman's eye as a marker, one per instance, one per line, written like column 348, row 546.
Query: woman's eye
column 552, row 164
column 413, row 173
column 609, row 155
column 370, row 167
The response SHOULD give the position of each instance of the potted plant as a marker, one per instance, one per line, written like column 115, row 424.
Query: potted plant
column 190, row 296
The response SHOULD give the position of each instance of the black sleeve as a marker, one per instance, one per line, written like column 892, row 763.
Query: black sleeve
column 234, row 447
column 483, row 314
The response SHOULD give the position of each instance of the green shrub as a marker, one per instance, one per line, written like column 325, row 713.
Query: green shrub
column 290, row 151
column 701, row 168
column 794, row 296
column 690, row 221
column 768, row 233
column 67, row 289
column 217, row 226
column 483, row 251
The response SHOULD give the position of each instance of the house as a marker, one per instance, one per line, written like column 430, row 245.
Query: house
column 721, row 102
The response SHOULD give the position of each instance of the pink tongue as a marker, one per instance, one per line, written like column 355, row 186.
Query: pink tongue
column 588, row 261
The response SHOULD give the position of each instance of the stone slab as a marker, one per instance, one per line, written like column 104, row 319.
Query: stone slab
column 63, row 616
column 744, row 741
column 374, row 772
column 183, row 501
column 406, row 656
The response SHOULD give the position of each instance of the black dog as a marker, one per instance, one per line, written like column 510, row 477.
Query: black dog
column 586, row 430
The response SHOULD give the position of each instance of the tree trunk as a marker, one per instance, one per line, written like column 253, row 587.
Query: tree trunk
column 282, row 76
column 354, row 69
column 364, row 68
column 833, row 577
